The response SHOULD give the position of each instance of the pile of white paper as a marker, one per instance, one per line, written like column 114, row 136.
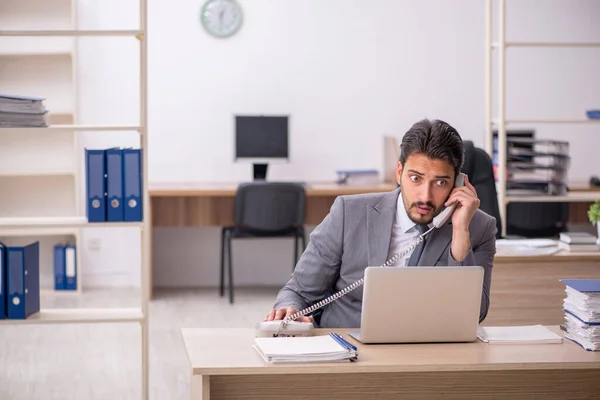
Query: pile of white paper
column 530, row 334
column 526, row 247
column 22, row 111
column 582, row 312
column 311, row 349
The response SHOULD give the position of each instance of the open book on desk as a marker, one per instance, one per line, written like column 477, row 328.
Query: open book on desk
column 532, row 334
column 311, row 349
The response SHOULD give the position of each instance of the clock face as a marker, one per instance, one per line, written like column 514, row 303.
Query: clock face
column 221, row 18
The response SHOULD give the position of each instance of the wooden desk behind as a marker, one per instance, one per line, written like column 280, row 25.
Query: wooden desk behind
column 211, row 204
column 524, row 289
column 528, row 291
column 224, row 365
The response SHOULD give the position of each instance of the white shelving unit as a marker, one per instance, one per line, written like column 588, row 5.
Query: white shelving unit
column 501, row 121
column 38, row 49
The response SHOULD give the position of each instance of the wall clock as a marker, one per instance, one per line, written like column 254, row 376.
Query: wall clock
column 221, row 18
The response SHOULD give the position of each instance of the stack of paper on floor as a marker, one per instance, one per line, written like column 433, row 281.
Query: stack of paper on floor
column 582, row 312
column 531, row 334
column 302, row 349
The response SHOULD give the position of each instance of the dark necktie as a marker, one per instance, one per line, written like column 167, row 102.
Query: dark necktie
column 413, row 261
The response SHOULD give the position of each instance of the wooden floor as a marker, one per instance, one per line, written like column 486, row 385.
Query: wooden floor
column 102, row 361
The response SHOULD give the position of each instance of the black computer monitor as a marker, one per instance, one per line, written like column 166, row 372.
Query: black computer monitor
column 261, row 140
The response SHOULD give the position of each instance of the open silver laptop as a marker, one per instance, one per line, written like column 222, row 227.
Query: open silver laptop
column 420, row 304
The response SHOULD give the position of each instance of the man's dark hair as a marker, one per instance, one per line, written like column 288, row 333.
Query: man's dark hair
column 436, row 139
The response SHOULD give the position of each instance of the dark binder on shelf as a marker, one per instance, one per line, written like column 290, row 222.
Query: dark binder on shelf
column 23, row 281
column 59, row 267
column 96, row 185
column 2, row 281
column 70, row 268
column 132, row 180
column 114, row 185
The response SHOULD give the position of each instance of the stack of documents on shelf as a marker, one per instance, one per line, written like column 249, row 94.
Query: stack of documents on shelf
column 311, row 349
column 526, row 247
column 582, row 312
column 578, row 241
column 536, row 167
column 22, row 111
column 532, row 334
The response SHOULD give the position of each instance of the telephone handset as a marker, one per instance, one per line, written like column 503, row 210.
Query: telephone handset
column 289, row 327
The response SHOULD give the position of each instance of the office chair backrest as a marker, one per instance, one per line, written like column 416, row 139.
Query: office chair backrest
column 478, row 166
column 269, row 206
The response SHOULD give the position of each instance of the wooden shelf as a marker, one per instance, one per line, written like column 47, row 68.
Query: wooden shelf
column 80, row 316
column 29, row 53
column 48, row 172
column 37, row 231
column 59, row 222
column 40, row 55
column 98, row 128
column 70, row 33
column 549, row 44
column 548, row 121
column 572, row 197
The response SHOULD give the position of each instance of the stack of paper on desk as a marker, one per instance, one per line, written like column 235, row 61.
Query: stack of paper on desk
column 526, row 247
column 533, row 334
column 303, row 349
column 582, row 312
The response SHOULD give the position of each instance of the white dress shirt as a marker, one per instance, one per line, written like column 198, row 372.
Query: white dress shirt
column 404, row 233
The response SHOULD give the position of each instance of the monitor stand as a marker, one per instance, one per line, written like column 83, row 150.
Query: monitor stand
column 260, row 171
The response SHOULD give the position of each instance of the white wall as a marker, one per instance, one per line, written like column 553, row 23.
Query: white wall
column 555, row 83
column 347, row 72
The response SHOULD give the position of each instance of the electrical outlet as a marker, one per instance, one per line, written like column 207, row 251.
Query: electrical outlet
column 94, row 244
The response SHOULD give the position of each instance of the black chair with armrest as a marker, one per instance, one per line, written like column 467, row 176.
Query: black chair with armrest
column 480, row 170
column 264, row 210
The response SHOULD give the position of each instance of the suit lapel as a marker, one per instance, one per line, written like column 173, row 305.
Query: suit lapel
column 437, row 242
column 380, row 220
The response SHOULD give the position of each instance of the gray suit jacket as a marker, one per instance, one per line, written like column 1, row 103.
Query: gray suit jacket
column 356, row 234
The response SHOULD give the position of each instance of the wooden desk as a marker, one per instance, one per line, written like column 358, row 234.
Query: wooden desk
column 224, row 365
column 211, row 204
column 527, row 290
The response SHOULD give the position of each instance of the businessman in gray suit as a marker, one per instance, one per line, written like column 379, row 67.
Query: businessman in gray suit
column 368, row 229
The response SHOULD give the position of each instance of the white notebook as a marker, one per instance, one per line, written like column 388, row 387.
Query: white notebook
column 322, row 348
column 530, row 334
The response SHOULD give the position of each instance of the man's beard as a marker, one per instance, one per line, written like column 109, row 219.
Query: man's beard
column 435, row 210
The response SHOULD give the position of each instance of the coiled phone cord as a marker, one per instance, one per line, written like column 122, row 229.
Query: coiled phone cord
column 351, row 287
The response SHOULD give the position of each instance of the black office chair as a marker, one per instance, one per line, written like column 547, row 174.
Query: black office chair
column 478, row 166
column 264, row 210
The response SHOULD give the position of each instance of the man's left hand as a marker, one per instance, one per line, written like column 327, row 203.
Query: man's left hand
column 467, row 204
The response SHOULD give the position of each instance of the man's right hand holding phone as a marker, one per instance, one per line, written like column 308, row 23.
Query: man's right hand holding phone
column 281, row 313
